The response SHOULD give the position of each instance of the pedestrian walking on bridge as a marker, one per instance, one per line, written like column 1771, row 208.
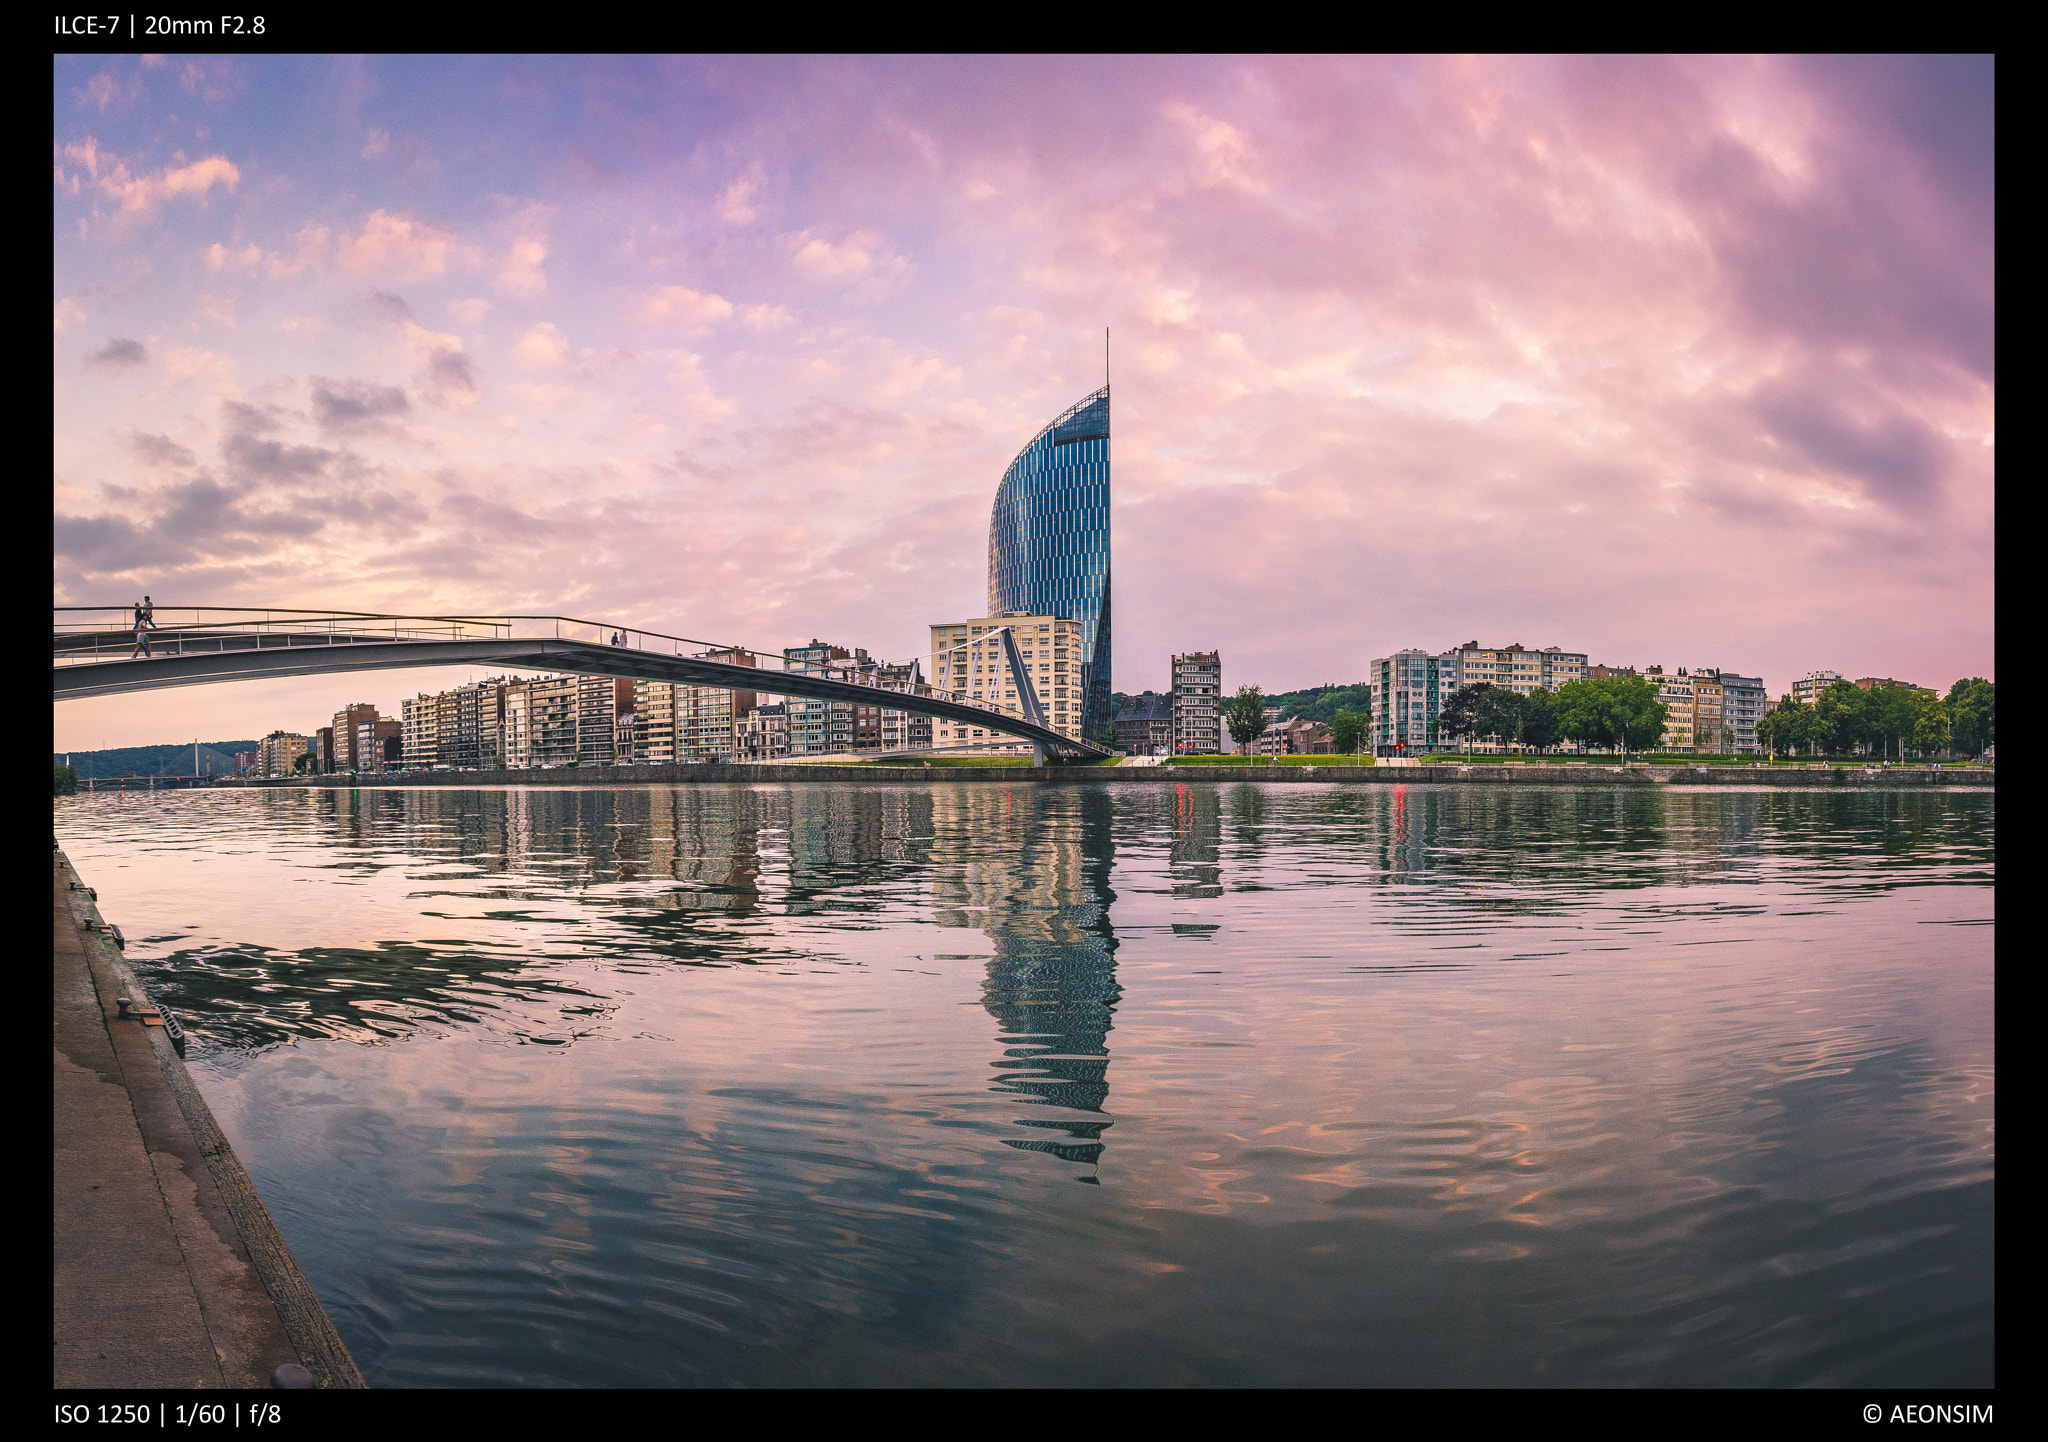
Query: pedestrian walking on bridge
column 143, row 626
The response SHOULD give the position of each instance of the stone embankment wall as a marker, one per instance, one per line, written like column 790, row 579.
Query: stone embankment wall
column 1590, row 775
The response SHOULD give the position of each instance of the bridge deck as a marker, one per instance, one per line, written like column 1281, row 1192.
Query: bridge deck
column 96, row 657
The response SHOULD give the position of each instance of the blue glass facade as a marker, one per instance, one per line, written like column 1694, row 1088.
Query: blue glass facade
column 1048, row 540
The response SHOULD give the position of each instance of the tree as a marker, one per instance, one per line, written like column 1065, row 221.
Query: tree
column 1972, row 710
column 1775, row 728
column 1790, row 726
column 1348, row 730
column 1842, row 718
column 1540, row 727
column 1894, row 712
column 1246, row 715
column 1500, row 713
column 66, row 780
column 1458, row 717
column 1621, row 711
column 1930, row 728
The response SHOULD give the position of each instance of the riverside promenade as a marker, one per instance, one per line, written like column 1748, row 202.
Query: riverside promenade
column 882, row 774
column 167, row 1271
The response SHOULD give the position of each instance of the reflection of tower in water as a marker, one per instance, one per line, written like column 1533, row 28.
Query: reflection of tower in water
column 1032, row 872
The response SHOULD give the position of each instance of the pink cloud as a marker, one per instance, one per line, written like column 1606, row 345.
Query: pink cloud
column 1681, row 361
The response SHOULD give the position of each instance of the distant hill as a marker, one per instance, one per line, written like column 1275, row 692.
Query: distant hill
column 172, row 759
column 1320, row 703
column 1317, row 703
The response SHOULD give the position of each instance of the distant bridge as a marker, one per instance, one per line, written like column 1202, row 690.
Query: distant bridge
column 93, row 649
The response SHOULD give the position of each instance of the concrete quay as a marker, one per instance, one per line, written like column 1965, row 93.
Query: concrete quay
column 167, row 1271
column 1593, row 774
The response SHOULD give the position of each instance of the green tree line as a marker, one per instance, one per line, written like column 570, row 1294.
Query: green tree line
column 1322, row 703
column 1884, row 721
column 1620, row 713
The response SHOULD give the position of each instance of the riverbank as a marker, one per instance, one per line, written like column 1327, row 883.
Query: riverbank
column 167, row 1270
column 1847, row 778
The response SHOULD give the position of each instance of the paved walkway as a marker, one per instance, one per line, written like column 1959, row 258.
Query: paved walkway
column 154, row 1280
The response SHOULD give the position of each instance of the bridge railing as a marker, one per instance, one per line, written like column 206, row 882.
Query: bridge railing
column 84, row 635
column 87, row 635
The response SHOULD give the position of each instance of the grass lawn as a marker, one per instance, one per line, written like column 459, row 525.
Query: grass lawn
column 1266, row 760
column 952, row 762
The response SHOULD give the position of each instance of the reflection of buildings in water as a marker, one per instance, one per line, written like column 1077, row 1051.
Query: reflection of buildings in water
column 1031, row 871
column 835, row 838
column 709, row 841
column 1195, row 861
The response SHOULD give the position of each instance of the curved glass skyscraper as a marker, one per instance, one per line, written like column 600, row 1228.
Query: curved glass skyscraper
column 1048, row 540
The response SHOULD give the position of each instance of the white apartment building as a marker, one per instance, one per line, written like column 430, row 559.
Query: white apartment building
column 517, row 724
column 1516, row 668
column 903, row 730
column 969, row 663
column 1409, row 689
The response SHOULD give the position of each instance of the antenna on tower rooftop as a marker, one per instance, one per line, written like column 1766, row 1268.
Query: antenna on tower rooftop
column 1105, row 357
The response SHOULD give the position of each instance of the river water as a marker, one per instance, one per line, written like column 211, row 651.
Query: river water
column 1131, row 1083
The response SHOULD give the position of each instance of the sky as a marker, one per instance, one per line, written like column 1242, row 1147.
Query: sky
column 1679, row 362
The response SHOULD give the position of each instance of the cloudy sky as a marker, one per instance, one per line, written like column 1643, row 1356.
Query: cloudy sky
column 1678, row 362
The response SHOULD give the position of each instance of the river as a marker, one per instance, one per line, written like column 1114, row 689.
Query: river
column 1101, row 1084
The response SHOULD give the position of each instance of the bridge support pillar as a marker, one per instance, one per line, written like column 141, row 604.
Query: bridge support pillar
column 1038, row 753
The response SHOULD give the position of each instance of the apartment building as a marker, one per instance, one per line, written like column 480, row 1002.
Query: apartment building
column 969, row 663
column 1198, row 703
column 346, row 720
column 622, row 735
column 470, row 725
column 1808, row 687
column 1409, row 689
column 654, row 721
column 1708, row 736
column 764, row 733
column 1742, row 707
column 672, row 721
column 818, row 728
column 420, row 725
column 551, row 721
column 903, row 730
column 599, row 699
column 1675, row 691
column 278, row 753
column 1516, row 668
column 378, row 744
column 516, row 736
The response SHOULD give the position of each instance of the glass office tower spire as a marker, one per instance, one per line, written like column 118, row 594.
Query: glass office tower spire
column 1048, row 541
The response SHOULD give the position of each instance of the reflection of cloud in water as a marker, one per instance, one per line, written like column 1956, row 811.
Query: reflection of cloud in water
column 1034, row 877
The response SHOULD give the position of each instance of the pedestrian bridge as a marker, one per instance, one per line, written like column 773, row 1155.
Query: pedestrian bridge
column 94, row 656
